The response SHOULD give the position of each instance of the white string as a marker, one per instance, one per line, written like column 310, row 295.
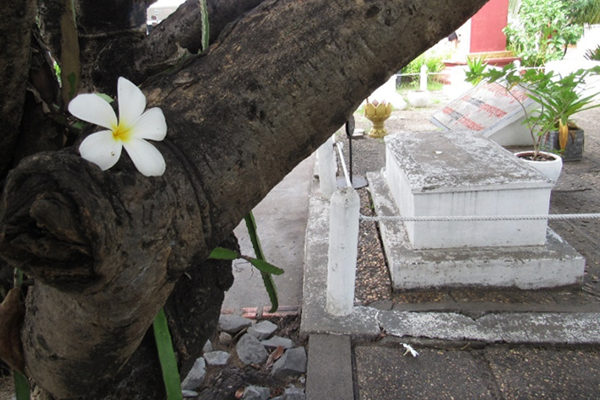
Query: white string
column 481, row 217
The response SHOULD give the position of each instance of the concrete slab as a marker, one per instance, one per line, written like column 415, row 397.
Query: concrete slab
column 564, row 328
column 528, row 373
column 526, row 267
column 329, row 374
column 490, row 111
column 436, row 325
column 386, row 373
column 281, row 223
column 367, row 322
column 315, row 319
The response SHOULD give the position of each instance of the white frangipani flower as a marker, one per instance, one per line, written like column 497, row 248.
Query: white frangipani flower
column 103, row 148
column 409, row 349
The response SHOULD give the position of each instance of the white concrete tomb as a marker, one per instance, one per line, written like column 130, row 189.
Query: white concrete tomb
column 461, row 174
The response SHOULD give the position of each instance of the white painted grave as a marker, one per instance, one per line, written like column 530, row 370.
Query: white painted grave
column 458, row 174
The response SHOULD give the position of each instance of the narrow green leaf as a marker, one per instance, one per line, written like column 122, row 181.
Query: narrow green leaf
column 69, row 59
column 21, row 383
column 72, row 80
column 106, row 97
column 205, row 26
column 21, row 386
column 264, row 266
column 166, row 355
column 252, row 231
column 266, row 275
column 271, row 291
column 221, row 253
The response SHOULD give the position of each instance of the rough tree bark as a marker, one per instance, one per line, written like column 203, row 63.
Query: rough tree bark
column 106, row 248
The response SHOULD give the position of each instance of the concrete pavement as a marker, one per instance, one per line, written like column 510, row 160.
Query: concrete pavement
column 510, row 352
column 281, row 223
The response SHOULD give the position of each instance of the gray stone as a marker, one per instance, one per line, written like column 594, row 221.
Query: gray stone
column 207, row 347
column 218, row 357
column 233, row 323
column 224, row 338
column 262, row 330
column 292, row 363
column 256, row 393
column 189, row 393
column 195, row 377
column 250, row 351
column 383, row 305
column 294, row 393
column 329, row 369
column 277, row 341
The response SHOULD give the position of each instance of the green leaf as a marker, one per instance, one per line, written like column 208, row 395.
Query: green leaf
column 205, row 26
column 267, row 278
column 264, row 266
column 105, row 97
column 69, row 59
column 21, row 386
column 221, row 253
column 166, row 355
column 271, row 291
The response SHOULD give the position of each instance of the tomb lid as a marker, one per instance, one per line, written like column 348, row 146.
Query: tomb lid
column 459, row 161
column 485, row 109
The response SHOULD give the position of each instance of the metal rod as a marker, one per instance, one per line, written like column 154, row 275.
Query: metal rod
column 348, row 181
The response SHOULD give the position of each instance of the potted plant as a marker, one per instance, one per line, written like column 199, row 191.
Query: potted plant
column 558, row 98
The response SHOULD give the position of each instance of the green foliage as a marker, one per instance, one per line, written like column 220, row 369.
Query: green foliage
column 585, row 11
column 266, row 269
column 542, row 31
column 221, row 253
column 265, row 274
column 166, row 355
column 21, row 386
column 593, row 55
column 432, row 86
column 434, row 62
column 205, row 25
column 558, row 97
column 476, row 67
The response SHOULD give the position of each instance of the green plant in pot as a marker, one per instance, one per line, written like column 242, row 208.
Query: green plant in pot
column 558, row 99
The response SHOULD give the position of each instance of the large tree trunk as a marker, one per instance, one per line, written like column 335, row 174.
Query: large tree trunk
column 106, row 248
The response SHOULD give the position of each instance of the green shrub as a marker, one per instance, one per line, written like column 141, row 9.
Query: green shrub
column 542, row 30
column 593, row 55
column 433, row 61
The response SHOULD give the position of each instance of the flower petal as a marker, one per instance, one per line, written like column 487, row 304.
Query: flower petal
column 101, row 149
column 146, row 157
column 151, row 125
column 132, row 102
column 93, row 108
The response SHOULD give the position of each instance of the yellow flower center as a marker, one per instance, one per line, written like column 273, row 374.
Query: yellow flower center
column 122, row 133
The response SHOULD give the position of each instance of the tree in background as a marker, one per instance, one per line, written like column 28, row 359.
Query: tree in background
column 540, row 30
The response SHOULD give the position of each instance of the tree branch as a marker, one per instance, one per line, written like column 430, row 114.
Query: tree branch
column 15, row 31
column 107, row 247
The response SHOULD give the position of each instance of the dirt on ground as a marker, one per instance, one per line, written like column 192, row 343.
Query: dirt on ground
column 577, row 191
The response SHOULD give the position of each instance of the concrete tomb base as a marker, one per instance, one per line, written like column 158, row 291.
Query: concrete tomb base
column 418, row 182
column 460, row 174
